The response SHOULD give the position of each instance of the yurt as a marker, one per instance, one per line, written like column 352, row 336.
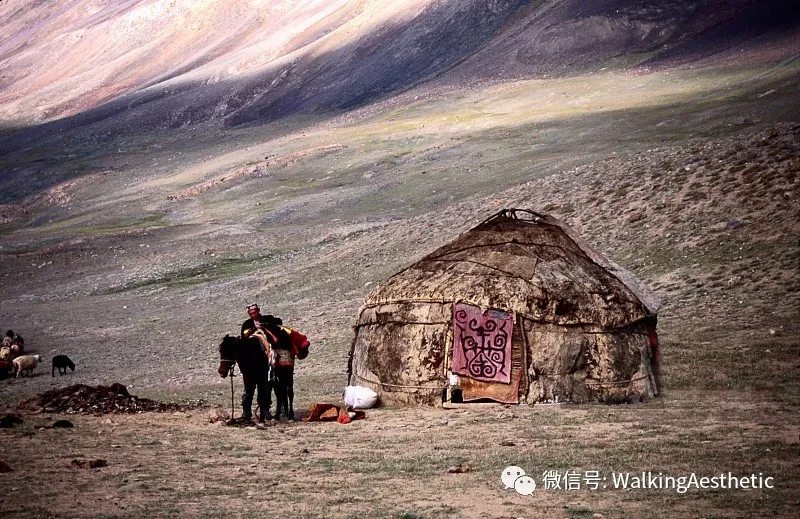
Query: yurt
column 518, row 310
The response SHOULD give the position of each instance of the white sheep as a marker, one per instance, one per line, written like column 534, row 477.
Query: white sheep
column 26, row 363
column 5, row 353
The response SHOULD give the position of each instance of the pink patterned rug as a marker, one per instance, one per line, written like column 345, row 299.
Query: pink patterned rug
column 482, row 343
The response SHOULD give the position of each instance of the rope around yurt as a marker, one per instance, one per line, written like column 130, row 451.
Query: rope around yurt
column 614, row 382
column 398, row 386
column 439, row 388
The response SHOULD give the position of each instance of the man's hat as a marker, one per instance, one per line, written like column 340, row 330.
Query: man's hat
column 253, row 306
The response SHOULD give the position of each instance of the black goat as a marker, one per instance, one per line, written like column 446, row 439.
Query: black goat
column 62, row 362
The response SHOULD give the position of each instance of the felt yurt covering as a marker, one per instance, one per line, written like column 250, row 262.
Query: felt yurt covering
column 575, row 326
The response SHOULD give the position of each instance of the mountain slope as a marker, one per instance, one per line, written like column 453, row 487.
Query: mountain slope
column 210, row 59
column 567, row 37
column 159, row 63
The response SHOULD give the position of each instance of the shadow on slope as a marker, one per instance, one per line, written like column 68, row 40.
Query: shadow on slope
column 755, row 24
column 573, row 36
column 392, row 58
column 476, row 40
column 366, row 177
column 432, row 173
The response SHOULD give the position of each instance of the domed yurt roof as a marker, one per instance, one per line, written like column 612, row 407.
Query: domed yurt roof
column 529, row 263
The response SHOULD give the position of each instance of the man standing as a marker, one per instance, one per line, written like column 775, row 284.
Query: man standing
column 260, row 380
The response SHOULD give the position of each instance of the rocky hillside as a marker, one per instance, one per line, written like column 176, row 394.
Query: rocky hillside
column 711, row 225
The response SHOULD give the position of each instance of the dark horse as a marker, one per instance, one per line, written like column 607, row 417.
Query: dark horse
column 254, row 365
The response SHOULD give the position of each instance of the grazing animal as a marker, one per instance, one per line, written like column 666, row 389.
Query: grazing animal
column 26, row 364
column 62, row 362
column 249, row 355
column 5, row 353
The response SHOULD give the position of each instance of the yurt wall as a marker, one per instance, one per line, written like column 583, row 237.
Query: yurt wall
column 583, row 364
column 399, row 350
column 404, row 351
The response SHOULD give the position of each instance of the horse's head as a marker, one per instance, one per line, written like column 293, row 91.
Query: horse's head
column 228, row 349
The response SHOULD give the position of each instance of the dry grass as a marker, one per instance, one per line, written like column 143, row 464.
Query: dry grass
column 396, row 462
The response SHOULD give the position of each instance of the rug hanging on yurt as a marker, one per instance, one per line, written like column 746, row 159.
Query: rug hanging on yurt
column 482, row 343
